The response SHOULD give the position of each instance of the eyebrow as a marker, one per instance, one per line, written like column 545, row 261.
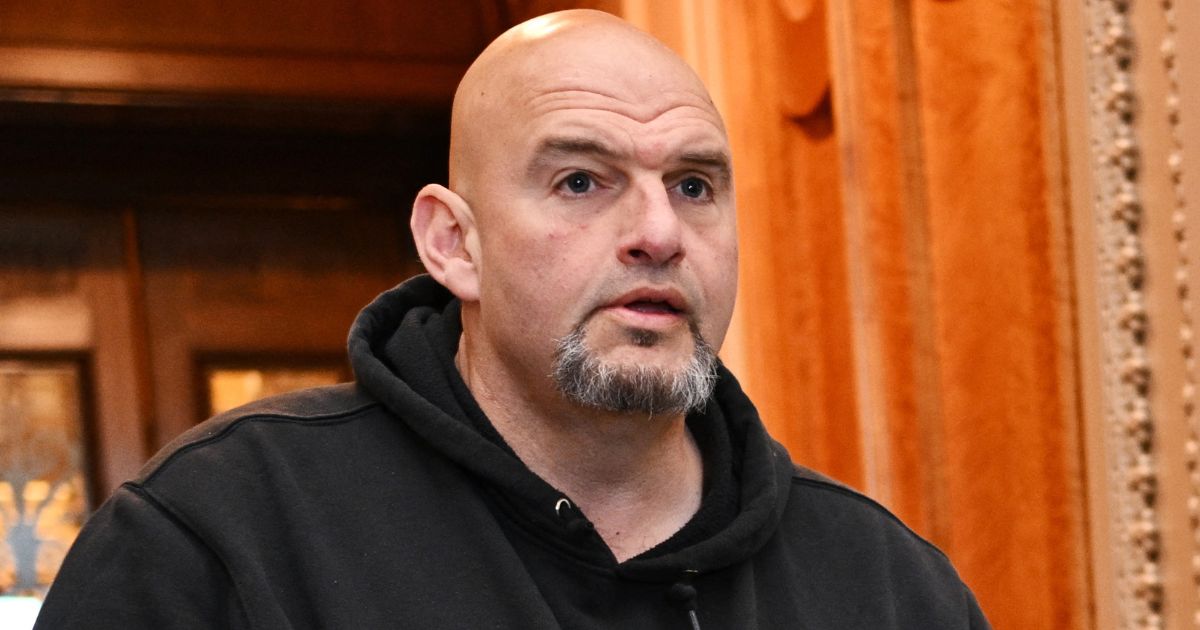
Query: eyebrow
column 715, row 160
column 566, row 146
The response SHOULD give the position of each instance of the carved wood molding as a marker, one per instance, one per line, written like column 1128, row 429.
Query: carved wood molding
column 31, row 73
column 1179, row 221
column 1127, row 374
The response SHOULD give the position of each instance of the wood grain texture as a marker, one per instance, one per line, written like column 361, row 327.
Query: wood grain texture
column 121, row 419
column 449, row 30
column 214, row 76
column 404, row 52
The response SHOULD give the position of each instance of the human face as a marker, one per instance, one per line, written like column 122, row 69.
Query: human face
column 607, row 208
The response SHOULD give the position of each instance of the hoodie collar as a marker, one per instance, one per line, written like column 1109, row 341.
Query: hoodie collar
column 401, row 349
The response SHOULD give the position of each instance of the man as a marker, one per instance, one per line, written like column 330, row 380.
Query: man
column 540, row 435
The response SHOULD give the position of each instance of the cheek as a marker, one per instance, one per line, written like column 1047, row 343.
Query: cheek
column 537, row 271
column 720, row 285
column 558, row 252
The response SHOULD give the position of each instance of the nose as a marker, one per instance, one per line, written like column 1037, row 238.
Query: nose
column 653, row 233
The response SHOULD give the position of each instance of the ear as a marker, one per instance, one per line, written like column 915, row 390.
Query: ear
column 443, row 227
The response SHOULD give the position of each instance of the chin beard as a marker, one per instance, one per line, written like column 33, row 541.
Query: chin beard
column 589, row 381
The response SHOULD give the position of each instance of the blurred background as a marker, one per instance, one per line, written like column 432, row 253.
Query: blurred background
column 967, row 234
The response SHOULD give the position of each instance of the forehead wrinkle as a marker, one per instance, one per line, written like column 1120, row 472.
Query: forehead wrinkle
column 641, row 138
column 641, row 111
column 652, row 140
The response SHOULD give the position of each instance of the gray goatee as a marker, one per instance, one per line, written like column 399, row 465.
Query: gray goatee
column 589, row 381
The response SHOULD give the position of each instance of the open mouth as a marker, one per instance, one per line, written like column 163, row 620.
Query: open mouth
column 652, row 307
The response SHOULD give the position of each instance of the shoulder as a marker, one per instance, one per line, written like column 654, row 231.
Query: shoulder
column 834, row 516
column 821, row 496
column 270, row 423
column 858, row 550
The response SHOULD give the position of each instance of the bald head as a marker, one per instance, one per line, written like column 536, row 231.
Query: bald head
column 550, row 57
column 590, row 184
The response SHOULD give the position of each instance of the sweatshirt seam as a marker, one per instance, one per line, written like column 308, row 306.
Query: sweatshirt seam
column 871, row 503
column 184, row 526
column 332, row 418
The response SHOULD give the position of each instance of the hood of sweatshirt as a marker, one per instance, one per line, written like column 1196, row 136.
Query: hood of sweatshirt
column 401, row 350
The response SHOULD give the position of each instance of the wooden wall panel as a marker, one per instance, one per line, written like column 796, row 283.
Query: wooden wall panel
column 59, row 75
column 115, row 51
column 268, row 283
column 447, row 31
column 64, row 289
column 1128, row 88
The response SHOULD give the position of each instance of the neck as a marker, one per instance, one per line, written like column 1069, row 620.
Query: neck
column 638, row 478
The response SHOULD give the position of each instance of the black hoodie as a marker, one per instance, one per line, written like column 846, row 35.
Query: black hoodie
column 394, row 503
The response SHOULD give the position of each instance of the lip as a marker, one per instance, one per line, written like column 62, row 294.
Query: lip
column 668, row 295
column 651, row 319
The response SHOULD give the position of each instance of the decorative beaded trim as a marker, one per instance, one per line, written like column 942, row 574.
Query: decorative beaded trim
column 1182, row 279
column 1123, row 317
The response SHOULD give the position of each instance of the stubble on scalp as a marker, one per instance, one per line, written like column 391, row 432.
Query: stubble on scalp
column 587, row 380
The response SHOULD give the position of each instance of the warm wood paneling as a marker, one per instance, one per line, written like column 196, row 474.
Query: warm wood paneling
column 64, row 289
column 449, row 30
column 122, row 75
column 128, row 154
column 272, row 284
column 1129, row 80
column 116, row 51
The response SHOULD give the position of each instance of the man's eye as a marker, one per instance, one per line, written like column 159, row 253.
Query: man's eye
column 694, row 188
column 578, row 183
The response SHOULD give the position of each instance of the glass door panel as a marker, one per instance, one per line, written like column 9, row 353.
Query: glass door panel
column 44, row 474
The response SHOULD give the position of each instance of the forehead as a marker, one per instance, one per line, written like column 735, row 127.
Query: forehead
column 638, row 96
column 658, row 123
